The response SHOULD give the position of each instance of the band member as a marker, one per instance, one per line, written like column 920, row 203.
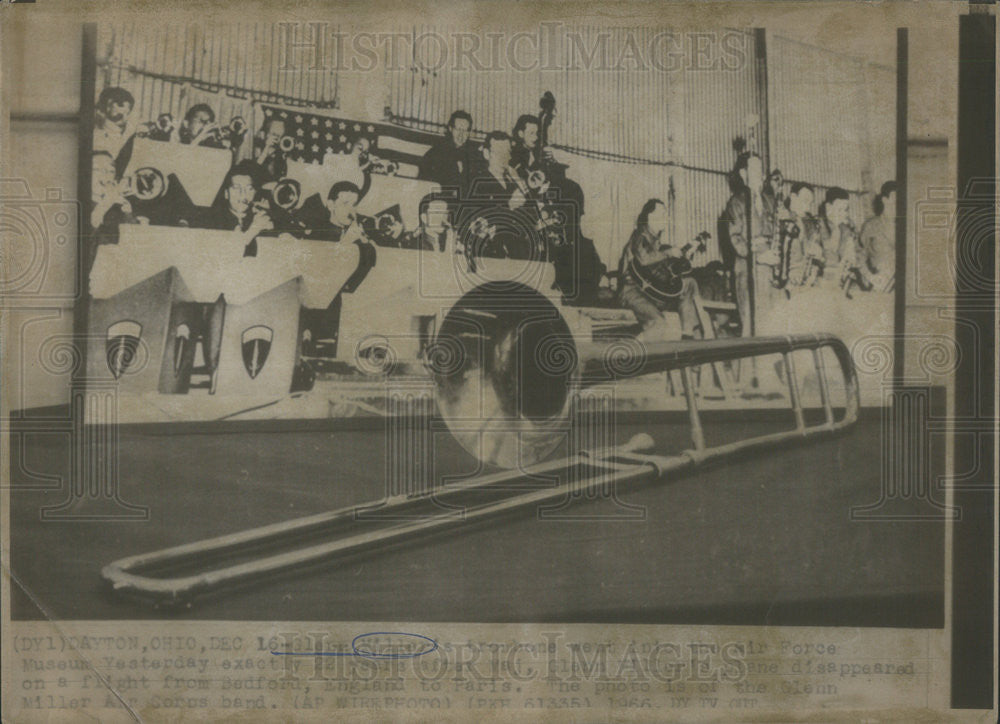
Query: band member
column 113, row 122
column 268, row 154
column 797, row 210
column 776, row 187
column 524, row 155
column 649, row 248
column 336, row 219
column 878, row 235
column 435, row 232
column 234, row 208
column 497, row 202
column 111, row 207
column 837, row 238
column 750, row 221
column 448, row 162
column 199, row 127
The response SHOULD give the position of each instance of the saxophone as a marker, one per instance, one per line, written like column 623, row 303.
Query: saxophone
column 788, row 232
column 852, row 273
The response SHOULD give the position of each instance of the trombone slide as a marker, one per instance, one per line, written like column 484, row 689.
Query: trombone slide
column 176, row 575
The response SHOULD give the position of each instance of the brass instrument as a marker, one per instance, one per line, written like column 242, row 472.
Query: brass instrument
column 286, row 144
column 382, row 166
column 508, row 374
column 237, row 126
column 165, row 123
column 852, row 272
column 286, row 194
column 145, row 184
column 162, row 127
column 384, row 223
column 788, row 233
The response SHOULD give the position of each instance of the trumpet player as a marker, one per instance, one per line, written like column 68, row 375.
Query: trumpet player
column 234, row 209
column 336, row 218
column 268, row 153
column 435, row 232
column 199, row 127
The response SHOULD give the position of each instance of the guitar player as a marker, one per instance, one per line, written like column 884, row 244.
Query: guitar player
column 652, row 279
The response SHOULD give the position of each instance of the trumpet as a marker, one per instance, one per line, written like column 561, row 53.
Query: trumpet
column 237, row 126
column 385, row 223
column 286, row 144
column 536, row 179
column 163, row 126
column 286, row 194
column 382, row 166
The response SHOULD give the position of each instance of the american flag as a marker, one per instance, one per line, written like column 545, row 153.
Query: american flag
column 315, row 135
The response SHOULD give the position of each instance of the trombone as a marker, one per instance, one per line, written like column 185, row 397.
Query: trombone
column 491, row 343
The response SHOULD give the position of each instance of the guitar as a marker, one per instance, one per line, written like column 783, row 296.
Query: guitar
column 664, row 280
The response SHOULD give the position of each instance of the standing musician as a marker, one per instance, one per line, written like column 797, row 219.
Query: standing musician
column 840, row 244
column 526, row 155
column 798, row 231
column 649, row 261
column 750, row 221
column 878, row 237
column 448, row 162
column 496, row 200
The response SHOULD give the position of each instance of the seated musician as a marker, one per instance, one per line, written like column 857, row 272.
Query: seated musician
column 234, row 208
column 435, row 232
column 648, row 256
column 110, row 207
column 336, row 218
column 267, row 149
column 113, row 121
column 199, row 127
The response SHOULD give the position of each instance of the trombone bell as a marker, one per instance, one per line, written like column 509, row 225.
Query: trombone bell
column 507, row 370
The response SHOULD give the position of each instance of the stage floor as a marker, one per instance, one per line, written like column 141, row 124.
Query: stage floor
column 767, row 539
